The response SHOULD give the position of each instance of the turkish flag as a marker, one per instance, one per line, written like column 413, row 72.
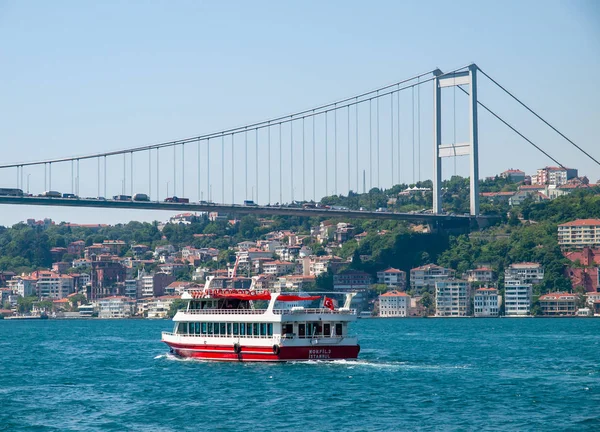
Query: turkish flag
column 328, row 303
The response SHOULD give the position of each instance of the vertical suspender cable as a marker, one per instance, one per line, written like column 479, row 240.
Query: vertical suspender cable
column 454, row 128
column 326, row 156
column 246, row 159
column 314, row 182
column 256, row 161
column 98, row 178
column 280, row 167
column 392, row 132
column 157, row 176
column 399, row 147
column 208, row 185
column 335, row 153
column 232, row 173
column 269, row 157
column 174, row 170
column 50, row 176
column 348, row 147
column 378, row 158
column 104, row 176
column 419, row 127
column 222, row 169
column 77, row 183
column 356, row 130
column 45, row 178
column 303, row 160
column 413, row 134
column 131, row 171
column 183, row 170
column 370, row 144
column 199, row 161
column 292, row 158
column 124, row 172
column 72, row 177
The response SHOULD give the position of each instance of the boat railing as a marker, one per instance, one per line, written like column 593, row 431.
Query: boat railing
column 324, row 311
column 194, row 335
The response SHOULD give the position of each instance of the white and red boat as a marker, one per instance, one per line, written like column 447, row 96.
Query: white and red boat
column 246, row 324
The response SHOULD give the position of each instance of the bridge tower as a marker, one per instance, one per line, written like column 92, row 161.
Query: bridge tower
column 468, row 77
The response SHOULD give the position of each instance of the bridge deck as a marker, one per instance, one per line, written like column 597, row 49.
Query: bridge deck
column 237, row 209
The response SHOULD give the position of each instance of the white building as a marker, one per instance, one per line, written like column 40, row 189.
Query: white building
column 481, row 274
column 579, row 233
column 424, row 277
column 159, row 307
column 394, row 304
column 485, row 302
column 116, row 307
column 54, row 286
column 278, row 268
column 517, row 298
column 527, row 272
column 392, row 278
column 451, row 298
column 23, row 286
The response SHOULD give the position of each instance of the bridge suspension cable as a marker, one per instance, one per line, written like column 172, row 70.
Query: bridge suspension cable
column 538, row 116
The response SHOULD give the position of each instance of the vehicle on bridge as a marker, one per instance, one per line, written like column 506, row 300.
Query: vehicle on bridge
column 51, row 194
column 141, row 197
column 249, row 203
column 122, row 198
column 175, row 199
column 69, row 195
column 309, row 205
column 11, row 192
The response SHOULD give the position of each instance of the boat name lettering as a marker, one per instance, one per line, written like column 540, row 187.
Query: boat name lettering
column 318, row 354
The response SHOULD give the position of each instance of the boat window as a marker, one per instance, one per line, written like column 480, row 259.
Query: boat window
column 288, row 328
column 210, row 328
column 263, row 329
column 182, row 329
column 248, row 329
column 310, row 329
column 229, row 329
column 242, row 329
column 270, row 329
column 327, row 329
column 301, row 330
column 236, row 329
column 255, row 329
column 203, row 328
column 338, row 329
column 223, row 328
column 197, row 328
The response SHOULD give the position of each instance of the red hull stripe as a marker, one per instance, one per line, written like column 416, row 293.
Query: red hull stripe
column 249, row 353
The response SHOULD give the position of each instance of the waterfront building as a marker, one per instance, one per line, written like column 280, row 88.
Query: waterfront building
column 133, row 288
column 424, row 277
column 485, row 302
column 392, row 278
column 556, row 304
column 517, row 297
column 116, row 307
column 159, row 307
column 528, row 272
column 451, row 298
column 579, row 233
column 394, row 304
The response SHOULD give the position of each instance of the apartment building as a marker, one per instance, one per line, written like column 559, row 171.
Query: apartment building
column 425, row 277
column 116, row 307
column 392, row 278
column 517, row 297
column 451, row 298
column 485, row 302
column 579, row 233
column 557, row 304
column 527, row 272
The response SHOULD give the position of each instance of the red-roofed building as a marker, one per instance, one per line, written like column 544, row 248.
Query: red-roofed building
column 558, row 304
column 392, row 278
column 514, row 175
column 481, row 274
column 579, row 233
column 394, row 304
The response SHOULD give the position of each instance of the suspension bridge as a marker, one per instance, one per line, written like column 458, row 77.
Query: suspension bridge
column 370, row 140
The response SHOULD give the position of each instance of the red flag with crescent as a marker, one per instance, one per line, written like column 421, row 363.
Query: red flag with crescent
column 328, row 303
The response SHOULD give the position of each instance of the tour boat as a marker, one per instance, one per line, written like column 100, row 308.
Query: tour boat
column 231, row 324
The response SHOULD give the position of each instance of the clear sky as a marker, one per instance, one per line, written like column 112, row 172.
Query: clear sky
column 86, row 77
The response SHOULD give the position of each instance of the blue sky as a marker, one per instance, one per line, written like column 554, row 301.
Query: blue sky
column 80, row 77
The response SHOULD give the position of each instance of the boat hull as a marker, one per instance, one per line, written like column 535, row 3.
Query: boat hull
column 265, row 354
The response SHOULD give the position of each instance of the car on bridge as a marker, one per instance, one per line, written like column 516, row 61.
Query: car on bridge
column 122, row 198
column 141, row 197
column 51, row 194
column 249, row 203
column 11, row 192
column 70, row 195
column 175, row 199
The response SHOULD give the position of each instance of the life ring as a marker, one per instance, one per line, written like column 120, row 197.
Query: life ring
column 237, row 348
column 276, row 349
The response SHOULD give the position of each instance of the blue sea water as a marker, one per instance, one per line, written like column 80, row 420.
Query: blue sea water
column 412, row 374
